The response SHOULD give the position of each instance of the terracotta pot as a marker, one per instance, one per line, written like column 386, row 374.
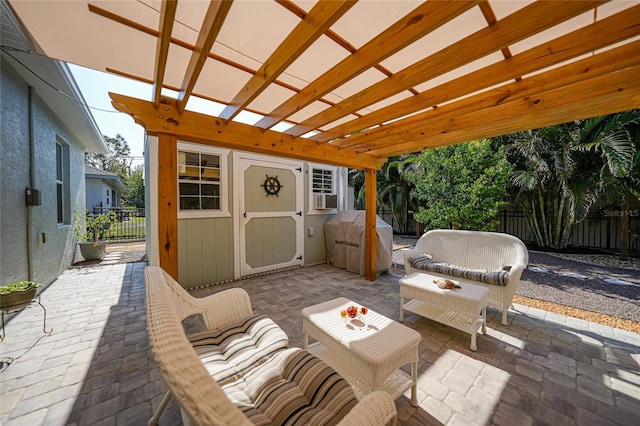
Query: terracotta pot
column 17, row 298
column 92, row 251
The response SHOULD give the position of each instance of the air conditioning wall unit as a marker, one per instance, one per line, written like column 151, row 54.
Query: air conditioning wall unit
column 325, row 201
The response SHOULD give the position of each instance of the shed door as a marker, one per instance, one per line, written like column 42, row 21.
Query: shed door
column 270, row 214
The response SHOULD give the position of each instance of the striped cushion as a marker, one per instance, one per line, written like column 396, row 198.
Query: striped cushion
column 228, row 353
column 293, row 388
column 426, row 263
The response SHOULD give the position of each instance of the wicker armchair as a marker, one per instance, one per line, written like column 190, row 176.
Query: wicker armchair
column 490, row 259
column 201, row 399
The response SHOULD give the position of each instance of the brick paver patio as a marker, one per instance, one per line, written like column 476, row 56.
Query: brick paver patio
column 96, row 368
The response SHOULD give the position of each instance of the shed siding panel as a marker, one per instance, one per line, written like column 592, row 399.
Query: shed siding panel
column 205, row 249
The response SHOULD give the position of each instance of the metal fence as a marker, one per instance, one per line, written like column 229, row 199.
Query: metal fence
column 130, row 224
column 597, row 231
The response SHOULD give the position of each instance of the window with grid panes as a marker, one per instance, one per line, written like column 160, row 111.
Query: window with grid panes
column 322, row 181
column 198, row 181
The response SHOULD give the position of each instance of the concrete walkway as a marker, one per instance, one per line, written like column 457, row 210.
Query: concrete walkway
column 96, row 368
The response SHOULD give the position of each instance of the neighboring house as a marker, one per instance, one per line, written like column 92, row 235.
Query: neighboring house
column 104, row 190
column 43, row 139
column 241, row 213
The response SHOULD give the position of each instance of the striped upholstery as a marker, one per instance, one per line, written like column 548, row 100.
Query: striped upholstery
column 426, row 263
column 228, row 353
column 293, row 388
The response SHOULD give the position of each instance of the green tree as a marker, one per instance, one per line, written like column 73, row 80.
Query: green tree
column 356, row 181
column 461, row 186
column 393, row 190
column 135, row 188
column 117, row 161
column 558, row 178
column 396, row 191
column 616, row 138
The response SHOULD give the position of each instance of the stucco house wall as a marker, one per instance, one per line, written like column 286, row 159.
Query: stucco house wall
column 103, row 189
column 53, row 244
column 94, row 193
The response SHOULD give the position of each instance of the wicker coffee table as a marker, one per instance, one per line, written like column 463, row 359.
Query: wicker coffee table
column 367, row 352
column 464, row 308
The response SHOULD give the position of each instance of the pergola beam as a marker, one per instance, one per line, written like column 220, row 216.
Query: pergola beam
column 324, row 14
column 181, row 43
column 420, row 125
column 205, row 129
column 525, row 22
column 419, row 22
column 596, row 36
column 602, row 95
column 167, row 16
column 213, row 20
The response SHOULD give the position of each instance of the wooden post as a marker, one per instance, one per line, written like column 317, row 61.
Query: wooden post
column 370, row 224
column 168, row 204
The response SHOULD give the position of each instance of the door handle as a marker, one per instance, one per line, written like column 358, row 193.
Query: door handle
column 245, row 215
column 299, row 214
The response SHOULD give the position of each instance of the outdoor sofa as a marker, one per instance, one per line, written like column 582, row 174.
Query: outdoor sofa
column 226, row 366
column 489, row 259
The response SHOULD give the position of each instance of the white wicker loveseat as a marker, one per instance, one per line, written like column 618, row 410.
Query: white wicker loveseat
column 235, row 368
column 489, row 259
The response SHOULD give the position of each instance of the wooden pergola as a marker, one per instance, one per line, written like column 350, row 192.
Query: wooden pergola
column 344, row 82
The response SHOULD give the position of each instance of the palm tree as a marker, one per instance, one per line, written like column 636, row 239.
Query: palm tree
column 395, row 191
column 554, row 179
column 392, row 189
column 616, row 138
column 558, row 178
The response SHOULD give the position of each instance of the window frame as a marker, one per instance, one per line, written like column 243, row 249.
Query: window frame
column 334, row 187
column 223, row 184
column 62, row 176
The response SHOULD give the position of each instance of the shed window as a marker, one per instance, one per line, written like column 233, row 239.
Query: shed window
column 322, row 181
column 199, row 180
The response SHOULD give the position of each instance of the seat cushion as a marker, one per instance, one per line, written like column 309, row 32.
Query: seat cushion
column 293, row 388
column 426, row 263
column 229, row 352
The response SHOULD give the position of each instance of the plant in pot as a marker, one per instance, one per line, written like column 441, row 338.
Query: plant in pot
column 15, row 294
column 92, row 230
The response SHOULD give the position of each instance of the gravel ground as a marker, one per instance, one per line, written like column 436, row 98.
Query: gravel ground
column 590, row 293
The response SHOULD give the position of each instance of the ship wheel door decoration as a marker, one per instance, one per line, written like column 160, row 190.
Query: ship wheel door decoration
column 272, row 185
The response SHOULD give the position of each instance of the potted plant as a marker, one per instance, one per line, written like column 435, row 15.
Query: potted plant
column 92, row 230
column 15, row 294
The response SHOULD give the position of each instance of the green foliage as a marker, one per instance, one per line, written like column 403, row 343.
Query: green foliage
column 19, row 286
column 393, row 191
column 561, row 171
column 550, row 189
column 135, row 188
column 460, row 186
column 93, row 227
column 396, row 191
column 118, row 159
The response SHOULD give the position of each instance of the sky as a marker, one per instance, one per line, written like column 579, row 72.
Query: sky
column 95, row 87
